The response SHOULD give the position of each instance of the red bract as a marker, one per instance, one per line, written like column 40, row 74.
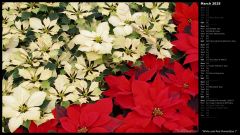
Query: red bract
column 185, row 14
column 89, row 117
column 19, row 130
column 184, row 109
column 129, row 126
column 189, row 45
column 120, row 89
column 49, row 126
column 150, row 61
column 183, row 81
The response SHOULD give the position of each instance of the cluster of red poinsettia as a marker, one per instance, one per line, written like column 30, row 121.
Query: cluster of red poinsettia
column 158, row 96
column 186, row 16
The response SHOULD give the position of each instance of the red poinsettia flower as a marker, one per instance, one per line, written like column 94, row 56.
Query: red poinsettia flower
column 185, row 14
column 150, row 65
column 183, row 81
column 120, row 90
column 89, row 117
column 188, row 43
column 155, row 110
column 49, row 126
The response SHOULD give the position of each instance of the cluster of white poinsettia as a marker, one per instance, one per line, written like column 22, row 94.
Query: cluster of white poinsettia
column 51, row 60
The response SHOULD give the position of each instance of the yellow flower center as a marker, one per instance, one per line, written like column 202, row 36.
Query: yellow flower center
column 146, row 31
column 23, row 108
column 35, row 78
column 112, row 8
column 82, row 130
column 98, row 39
column 46, row 30
column 127, row 21
column 61, row 95
column 128, row 51
column 157, row 112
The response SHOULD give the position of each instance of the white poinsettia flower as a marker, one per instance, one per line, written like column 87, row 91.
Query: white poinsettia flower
column 128, row 49
column 35, row 75
column 7, row 85
column 160, row 16
column 147, row 28
column 7, row 18
column 46, row 26
column 87, row 92
column 21, row 106
column 78, row 10
column 33, row 7
column 20, row 57
column 170, row 27
column 99, row 41
column 17, row 56
column 122, row 21
column 107, row 8
column 88, row 69
column 71, row 71
column 156, row 8
column 9, row 44
column 45, row 46
column 162, row 50
column 65, row 57
column 159, row 5
column 9, row 61
column 10, row 41
column 15, row 8
column 63, row 91
column 20, row 29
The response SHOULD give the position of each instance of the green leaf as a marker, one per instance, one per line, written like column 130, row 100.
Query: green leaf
column 51, row 66
column 65, row 104
column 43, row 8
column 138, row 63
column 124, row 68
column 51, row 80
column 81, row 21
column 25, row 15
column 35, row 10
column 26, row 123
column 65, row 19
column 99, row 78
column 17, row 81
column 44, row 104
column 177, row 56
column 53, row 16
column 133, row 6
column 45, row 84
column 62, row 72
column 134, row 35
column 148, row 47
column 73, row 31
